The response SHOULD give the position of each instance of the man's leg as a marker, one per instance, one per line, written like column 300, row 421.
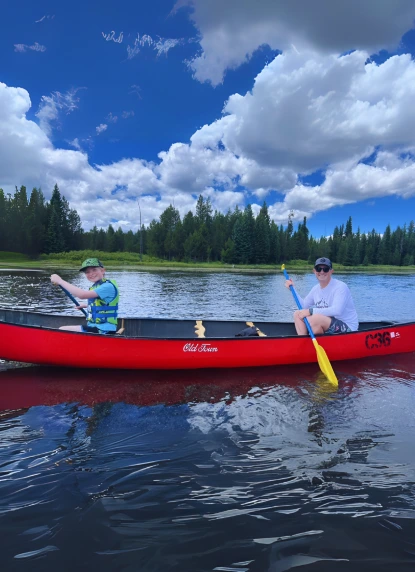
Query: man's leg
column 319, row 323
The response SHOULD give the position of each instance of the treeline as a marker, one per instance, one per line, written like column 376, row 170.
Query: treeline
column 35, row 226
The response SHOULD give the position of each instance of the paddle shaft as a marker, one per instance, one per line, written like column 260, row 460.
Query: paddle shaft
column 73, row 299
column 294, row 293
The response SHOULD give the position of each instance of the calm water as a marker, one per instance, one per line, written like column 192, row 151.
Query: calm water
column 244, row 470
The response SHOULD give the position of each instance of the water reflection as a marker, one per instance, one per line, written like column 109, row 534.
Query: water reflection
column 257, row 469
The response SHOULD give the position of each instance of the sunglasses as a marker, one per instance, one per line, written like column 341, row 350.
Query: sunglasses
column 322, row 268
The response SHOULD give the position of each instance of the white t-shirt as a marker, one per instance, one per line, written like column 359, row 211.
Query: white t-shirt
column 335, row 301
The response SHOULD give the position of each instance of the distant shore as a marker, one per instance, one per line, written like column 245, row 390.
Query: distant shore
column 292, row 267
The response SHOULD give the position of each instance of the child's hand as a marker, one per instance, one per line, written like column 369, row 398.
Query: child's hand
column 56, row 279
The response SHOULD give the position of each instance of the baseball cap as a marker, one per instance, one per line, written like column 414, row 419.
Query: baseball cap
column 325, row 261
column 90, row 262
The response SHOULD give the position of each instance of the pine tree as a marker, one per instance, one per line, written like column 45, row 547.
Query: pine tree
column 275, row 246
column 4, row 230
column 56, row 223
column 36, row 223
column 385, row 252
column 262, row 236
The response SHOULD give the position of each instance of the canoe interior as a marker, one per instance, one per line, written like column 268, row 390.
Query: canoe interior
column 166, row 328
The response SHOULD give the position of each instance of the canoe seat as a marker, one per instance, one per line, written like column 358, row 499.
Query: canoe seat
column 258, row 331
column 120, row 330
column 199, row 329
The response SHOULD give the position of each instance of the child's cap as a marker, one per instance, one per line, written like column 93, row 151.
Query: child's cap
column 90, row 262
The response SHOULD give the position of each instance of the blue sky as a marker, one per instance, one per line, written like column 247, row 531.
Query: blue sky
column 308, row 108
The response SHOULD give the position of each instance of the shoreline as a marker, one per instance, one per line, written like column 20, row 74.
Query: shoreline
column 35, row 266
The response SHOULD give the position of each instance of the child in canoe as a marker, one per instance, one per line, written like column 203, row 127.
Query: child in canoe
column 102, row 299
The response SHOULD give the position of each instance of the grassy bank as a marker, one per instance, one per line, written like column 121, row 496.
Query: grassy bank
column 131, row 261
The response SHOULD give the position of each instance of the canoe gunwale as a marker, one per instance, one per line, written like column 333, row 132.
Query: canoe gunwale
column 372, row 326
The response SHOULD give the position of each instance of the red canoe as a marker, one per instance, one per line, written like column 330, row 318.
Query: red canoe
column 146, row 343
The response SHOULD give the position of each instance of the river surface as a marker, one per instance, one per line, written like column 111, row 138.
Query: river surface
column 247, row 470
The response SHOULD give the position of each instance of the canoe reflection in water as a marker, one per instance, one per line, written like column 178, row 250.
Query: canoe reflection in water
column 24, row 387
column 255, row 469
column 29, row 386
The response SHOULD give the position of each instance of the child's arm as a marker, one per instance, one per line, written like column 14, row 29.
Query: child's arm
column 74, row 290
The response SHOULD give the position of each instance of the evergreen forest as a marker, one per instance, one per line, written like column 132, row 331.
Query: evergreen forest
column 34, row 226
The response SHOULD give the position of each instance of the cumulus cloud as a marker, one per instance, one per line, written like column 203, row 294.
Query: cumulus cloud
column 305, row 112
column 348, row 119
column 27, row 157
column 309, row 110
column 232, row 30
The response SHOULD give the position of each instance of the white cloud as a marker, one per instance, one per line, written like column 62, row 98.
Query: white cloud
column 101, row 128
column 306, row 111
column 110, row 37
column 45, row 17
column 161, row 45
column 75, row 143
column 136, row 90
column 34, row 47
column 231, row 30
column 185, row 167
column 51, row 106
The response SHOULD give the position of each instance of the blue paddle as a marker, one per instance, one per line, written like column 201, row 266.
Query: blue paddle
column 73, row 299
column 323, row 360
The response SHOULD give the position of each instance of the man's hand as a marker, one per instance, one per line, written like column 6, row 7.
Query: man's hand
column 289, row 283
column 303, row 313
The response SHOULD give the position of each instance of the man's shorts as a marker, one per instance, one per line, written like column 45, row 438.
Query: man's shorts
column 337, row 327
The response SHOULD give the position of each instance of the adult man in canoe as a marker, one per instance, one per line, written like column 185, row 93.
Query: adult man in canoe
column 329, row 306
column 102, row 299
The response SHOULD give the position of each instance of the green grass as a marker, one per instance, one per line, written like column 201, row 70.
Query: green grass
column 13, row 257
column 131, row 260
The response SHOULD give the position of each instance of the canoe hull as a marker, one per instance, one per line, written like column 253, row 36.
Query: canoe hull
column 50, row 346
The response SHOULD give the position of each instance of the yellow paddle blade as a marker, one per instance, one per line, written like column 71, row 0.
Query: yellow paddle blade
column 324, row 363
